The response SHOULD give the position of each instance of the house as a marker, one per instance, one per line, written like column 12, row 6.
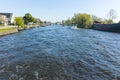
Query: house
column 8, row 16
column 3, row 20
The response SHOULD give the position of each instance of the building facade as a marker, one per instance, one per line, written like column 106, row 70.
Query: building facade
column 7, row 18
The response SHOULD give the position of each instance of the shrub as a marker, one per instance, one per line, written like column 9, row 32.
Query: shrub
column 19, row 22
column 82, row 20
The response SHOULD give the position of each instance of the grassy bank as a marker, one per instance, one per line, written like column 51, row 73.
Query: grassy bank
column 7, row 30
column 13, row 29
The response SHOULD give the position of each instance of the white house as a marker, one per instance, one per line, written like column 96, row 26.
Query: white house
column 3, row 20
column 8, row 17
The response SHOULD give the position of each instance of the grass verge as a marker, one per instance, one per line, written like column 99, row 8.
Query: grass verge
column 6, row 30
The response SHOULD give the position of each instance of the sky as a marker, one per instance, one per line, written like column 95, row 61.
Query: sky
column 58, row 10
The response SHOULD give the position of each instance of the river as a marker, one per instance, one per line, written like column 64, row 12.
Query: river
column 60, row 53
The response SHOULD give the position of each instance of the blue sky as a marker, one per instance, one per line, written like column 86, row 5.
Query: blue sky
column 57, row 10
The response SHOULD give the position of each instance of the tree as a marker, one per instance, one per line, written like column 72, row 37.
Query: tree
column 28, row 18
column 19, row 22
column 38, row 21
column 68, row 22
column 111, row 15
column 108, row 22
column 82, row 20
column 95, row 18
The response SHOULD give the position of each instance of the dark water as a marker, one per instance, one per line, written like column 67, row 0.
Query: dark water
column 60, row 53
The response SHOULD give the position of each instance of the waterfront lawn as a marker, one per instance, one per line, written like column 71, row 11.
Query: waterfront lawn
column 7, row 30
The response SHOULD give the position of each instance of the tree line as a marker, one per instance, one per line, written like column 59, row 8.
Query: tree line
column 84, row 20
column 26, row 20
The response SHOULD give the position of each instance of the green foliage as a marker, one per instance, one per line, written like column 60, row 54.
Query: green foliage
column 82, row 20
column 19, row 21
column 28, row 18
column 108, row 22
column 38, row 21
column 67, row 22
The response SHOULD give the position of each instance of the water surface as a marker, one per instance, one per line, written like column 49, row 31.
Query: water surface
column 60, row 53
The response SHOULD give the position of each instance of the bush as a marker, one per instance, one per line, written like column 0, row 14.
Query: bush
column 82, row 20
column 19, row 22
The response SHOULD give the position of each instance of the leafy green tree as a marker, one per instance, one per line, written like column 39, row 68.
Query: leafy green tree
column 82, row 20
column 19, row 22
column 38, row 21
column 68, row 22
column 28, row 18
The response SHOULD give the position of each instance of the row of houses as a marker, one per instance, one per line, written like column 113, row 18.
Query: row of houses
column 6, row 18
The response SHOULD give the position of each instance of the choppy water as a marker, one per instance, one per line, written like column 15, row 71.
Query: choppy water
column 60, row 53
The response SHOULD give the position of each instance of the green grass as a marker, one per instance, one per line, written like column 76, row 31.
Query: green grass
column 7, row 30
column 1, row 25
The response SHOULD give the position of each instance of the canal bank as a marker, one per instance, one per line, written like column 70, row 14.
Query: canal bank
column 107, row 27
column 8, row 30
column 14, row 29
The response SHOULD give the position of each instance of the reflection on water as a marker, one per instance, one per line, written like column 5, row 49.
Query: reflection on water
column 60, row 53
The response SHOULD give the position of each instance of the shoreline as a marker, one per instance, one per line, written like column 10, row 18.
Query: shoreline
column 13, row 29
column 8, row 30
column 107, row 27
column 5, row 34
